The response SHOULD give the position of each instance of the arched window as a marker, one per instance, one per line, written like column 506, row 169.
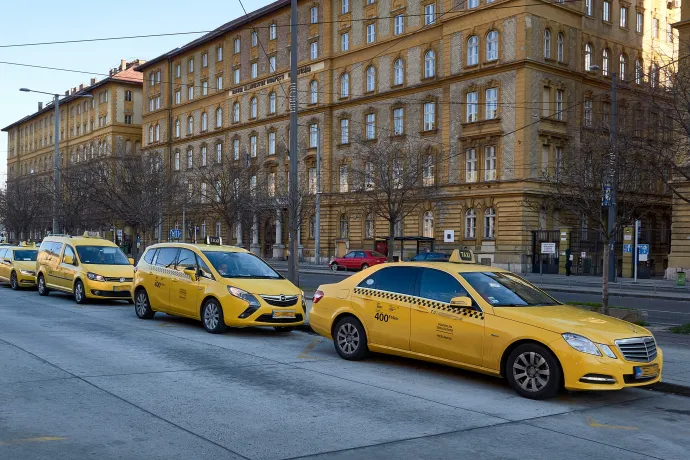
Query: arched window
column 204, row 121
column 371, row 78
column 622, row 67
column 560, row 47
column 177, row 160
column 638, row 71
column 219, row 152
column 588, row 57
column 158, row 132
column 272, row 102
column 314, row 92
column 253, row 108
column 489, row 223
column 150, row 134
column 492, row 45
column 219, row 117
column 654, row 75
column 345, row 85
column 218, row 229
column 470, row 224
column 190, row 125
column 605, row 62
column 190, row 158
column 429, row 64
column 473, row 50
column 428, row 226
column 177, row 127
column 547, row 44
column 398, row 72
column 344, row 226
column 369, row 226
column 236, row 112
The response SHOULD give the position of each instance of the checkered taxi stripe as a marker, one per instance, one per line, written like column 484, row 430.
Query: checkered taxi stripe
column 433, row 304
column 169, row 272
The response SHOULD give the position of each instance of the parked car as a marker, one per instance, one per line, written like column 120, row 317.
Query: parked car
column 357, row 260
column 430, row 257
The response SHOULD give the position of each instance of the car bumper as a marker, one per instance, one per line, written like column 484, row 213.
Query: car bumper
column 238, row 314
column 26, row 280
column 105, row 290
column 582, row 371
column 320, row 321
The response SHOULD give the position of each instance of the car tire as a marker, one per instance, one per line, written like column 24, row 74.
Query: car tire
column 14, row 284
column 533, row 371
column 350, row 339
column 212, row 317
column 142, row 306
column 42, row 288
column 79, row 293
column 334, row 267
column 284, row 328
column 365, row 266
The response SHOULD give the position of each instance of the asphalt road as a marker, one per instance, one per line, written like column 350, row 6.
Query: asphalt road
column 96, row 382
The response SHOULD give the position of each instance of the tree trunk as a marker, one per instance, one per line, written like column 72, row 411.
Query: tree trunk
column 391, row 240
column 605, row 282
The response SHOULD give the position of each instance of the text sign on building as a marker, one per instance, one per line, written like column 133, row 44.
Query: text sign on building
column 643, row 251
column 449, row 236
column 548, row 248
column 276, row 78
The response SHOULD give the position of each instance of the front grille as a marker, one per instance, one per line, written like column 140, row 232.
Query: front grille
column 268, row 318
column 117, row 280
column 638, row 349
column 280, row 300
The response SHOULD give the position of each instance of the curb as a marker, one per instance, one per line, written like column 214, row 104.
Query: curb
column 671, row 388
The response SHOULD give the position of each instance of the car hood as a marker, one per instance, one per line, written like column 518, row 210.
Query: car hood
column 111, row 271
column 25, row 265
column 264, row 286
column 564, row 318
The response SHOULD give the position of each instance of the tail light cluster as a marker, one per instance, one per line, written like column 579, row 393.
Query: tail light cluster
column 318, row 295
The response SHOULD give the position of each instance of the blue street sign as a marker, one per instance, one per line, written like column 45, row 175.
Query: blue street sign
column 643, row 248
column 175, row 233
column 627, row 248
column 606, row 201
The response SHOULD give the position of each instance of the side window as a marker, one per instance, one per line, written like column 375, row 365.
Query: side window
column 438, row 285
column 186, row 259
column 56, row 249
column 70, row 252
column 205, row 270
column 360, row 255
column 349, row 255
column 400, row 280
column 3, row 253
column 166, row 257
column 148, row 257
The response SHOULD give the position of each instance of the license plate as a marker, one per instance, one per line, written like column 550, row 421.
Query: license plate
column 121, row 288
column 284, row 314
column 645, row 372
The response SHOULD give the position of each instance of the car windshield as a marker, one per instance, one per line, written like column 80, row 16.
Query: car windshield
column 507, row 290
column 101, row 255
column 240, row 265
column 26, row 255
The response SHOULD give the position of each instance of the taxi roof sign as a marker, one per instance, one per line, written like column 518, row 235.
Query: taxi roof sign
column 214, row 240
column 27, row 244
column 91, row 234
column 462, row 256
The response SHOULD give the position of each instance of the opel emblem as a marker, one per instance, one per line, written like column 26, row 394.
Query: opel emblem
column 122, row 280
column 282, row 298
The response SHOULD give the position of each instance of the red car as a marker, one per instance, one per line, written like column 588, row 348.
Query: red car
column 357, row 260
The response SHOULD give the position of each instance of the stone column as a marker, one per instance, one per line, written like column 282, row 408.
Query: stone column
column 279, row 247
column 254, row 247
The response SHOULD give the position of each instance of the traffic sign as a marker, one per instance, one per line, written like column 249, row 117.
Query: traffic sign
column 548, row 248
column 643, row 251
column 627, row 248
column 175, row 233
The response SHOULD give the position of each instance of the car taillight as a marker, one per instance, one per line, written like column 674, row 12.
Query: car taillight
column 318, row 295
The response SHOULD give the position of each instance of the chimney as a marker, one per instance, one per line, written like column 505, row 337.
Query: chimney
column 93, row 80
column 74, row 90
column 40, row 106
column 67, row 93
column 123, row 64
column 81, row 86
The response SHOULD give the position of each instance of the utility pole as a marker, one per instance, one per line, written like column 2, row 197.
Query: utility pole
column 614, row 179
column 317, row 223
column 293, row 266
column 56, row 164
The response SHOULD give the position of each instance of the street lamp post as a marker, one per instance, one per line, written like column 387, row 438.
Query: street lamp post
column 56, row 156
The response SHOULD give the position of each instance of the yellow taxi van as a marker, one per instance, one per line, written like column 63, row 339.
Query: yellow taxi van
column 18, row 265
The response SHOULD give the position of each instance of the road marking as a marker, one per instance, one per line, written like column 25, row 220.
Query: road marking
column 11, row 442
column 167, row 325
column 309, row 348
column 594, row 424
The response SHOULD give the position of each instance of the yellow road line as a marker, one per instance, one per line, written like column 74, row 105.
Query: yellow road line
column 11, row 442
column 594, row 424
column 309, row 348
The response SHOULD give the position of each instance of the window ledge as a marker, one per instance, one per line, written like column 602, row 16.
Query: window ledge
column 429, row 132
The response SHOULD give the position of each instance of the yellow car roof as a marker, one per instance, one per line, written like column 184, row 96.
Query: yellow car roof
column 201, row 247
column 456, row 267
column 81, row 241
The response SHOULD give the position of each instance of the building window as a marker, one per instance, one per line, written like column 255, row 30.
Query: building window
column 204, row 60
column 343, row 179
column 471, row 165
column 398, row 121
column 622, row 66
column 470, row 224
column 204, row 121
column 428, row 171
column 491, row 96
column 177, row 160
column 371, row 78
column 236, row 149
column 128, row 121
column 471, row 107
column 371, row 33
column 489, row 223
column 253, row 108
column 560, row 48
column 219, row 53
column 655, row 28
column 605, row 62
column 190, row 65
column 344, row 224
column 177, row 128
column 313, row 92
column 313, row 136
column 489, row 163
column 369, row 226
column 589, row 7
column 178, row 96
column 204, row 88
column 219, row 83
column 314, row 50
column 345, row 85
column 370, row 126
column 272, row 31
column 607, row 12
column 178, row 70
column 399, row 24
column 204, row 160
column 588, row 112
column 158, row 132
column 314, row 14
column 639, row 22
column 272, row 64
column 429, row 116
column 236, row 112
column 588, row 57
column 344, row 6
column 547, row 44
column 272, row 103
column 559, row 104
column 344, row 131
column 219, row 117
column 638, row 71
column 624, row 17
column 472, row 4
column 190, row 92
column 255, row 38
column 219, row 153
column 492, row 46
column 345, row 41
column 398, row 72
column 428, row 225
column 272, row 143
column 473, row 50
column 311, row 181
column 128, row 97
column 255, row 69
column 429, row 14
column 669, row 33
column 238, row 45
column 429, row 64
column 252, row 146
column 190, row 125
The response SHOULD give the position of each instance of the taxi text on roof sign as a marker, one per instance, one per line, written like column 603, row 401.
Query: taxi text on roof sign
column 91, row 234
column 214, row 240
column 462, row 256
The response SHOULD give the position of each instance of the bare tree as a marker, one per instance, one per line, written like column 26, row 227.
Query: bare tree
column 393, row 180
column 23, row 203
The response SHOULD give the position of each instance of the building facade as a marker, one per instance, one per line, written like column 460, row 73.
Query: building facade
column 95, row 120
column 492, row 90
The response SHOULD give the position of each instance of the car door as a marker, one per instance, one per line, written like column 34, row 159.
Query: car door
column 52, row 274
column 441, row 330
column 383, row 301
column 67, row 272
column 4, row 264
column 163, row 269
column 184, row 290
column 360, row 259
column 348, row 260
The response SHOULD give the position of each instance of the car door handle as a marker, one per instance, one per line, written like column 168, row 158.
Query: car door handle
column 421, row 309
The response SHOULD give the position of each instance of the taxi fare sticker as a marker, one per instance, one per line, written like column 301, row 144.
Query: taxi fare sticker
column 444, row 331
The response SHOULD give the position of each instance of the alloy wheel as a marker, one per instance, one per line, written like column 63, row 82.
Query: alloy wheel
column 13, row 281
column 79, row 292
column 531, row 371
column 211, row 316
column 348, row 338
column 141, row 303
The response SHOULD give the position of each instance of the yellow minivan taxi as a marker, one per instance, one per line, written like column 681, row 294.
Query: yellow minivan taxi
column 219, row 285
column 18, row 265
column 484, row 319
column 88, row 267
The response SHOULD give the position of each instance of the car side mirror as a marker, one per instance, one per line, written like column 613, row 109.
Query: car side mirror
column 461, row 302
column 69, row 260
column 191, row 272
column 131, row 261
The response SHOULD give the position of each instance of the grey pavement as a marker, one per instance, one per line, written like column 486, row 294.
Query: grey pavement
column 94, row 381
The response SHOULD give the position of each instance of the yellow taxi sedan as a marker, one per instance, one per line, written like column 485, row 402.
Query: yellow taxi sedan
column 219, row 285
column 18, row 266
column 484, row 319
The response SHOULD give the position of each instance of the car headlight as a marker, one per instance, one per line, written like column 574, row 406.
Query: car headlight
column 94, row 277
column 244, row 295
column 27, row 272
column 607, row 350
column 582, row 344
